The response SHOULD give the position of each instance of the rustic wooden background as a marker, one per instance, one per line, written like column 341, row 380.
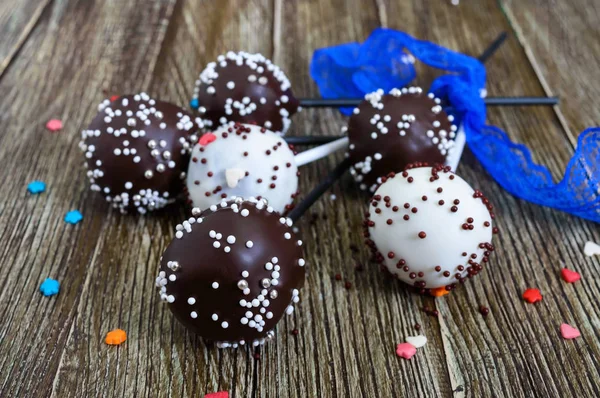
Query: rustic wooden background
column 59, row 58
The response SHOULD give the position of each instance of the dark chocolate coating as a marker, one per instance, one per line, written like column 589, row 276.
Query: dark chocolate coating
column 127, row 175
column 396, row 151
column 212, row 104
column 200, row 264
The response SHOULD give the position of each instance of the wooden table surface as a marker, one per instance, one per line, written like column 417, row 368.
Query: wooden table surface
column 59, row 58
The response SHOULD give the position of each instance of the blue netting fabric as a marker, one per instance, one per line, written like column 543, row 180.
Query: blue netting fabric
column 350, row 70
column 510, row 164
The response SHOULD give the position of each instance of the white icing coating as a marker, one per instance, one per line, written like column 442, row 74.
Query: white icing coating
column 446, row 240
column 225, row 158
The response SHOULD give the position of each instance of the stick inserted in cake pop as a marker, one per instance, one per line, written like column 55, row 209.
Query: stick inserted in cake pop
column 320, row 189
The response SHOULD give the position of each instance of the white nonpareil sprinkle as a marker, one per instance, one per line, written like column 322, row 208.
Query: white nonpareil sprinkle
column 249, row 244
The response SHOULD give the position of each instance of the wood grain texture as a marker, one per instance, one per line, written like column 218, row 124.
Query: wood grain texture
column 562, row 43
column 346, row 341
column 17, row 20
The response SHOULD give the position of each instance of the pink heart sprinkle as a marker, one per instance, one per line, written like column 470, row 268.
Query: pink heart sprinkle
column 568, row 331
column 406, row 350
column 220, row 394
column 207, row 139
column 54, row 125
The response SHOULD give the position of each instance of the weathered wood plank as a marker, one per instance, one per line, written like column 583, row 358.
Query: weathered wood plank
column 17, row 20
column 361, row 326
column 160, row 357
column 561, row 41
column 77, row 50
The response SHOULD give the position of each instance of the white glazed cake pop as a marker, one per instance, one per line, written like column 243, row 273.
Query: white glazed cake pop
column 248, row 161
column 245, row 161
column 430, row 228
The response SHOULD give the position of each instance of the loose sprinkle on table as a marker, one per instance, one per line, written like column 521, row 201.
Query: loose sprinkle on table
column 570, row 276
column 569, row 332
column 417, row 341
column 50, row 287
column 115, row 337
column 439, row 291
column 532, row 295
column 54, row 125
column 73, row 217
column 485, row 311
column 591, row 249
column 35, row 187
column 220, row 394
column 406, row 350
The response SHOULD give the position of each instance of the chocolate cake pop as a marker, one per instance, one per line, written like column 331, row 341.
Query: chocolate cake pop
column 246, row 88
column 429, row 228
column 248, row 273
column 242, row 160
column 389, row 131
column 136, row 150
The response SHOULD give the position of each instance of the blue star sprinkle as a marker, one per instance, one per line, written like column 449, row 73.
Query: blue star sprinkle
column 50, row 287
column 36, row 187
column 73, row 217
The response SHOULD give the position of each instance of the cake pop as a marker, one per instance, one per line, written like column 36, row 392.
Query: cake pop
column 248, row 276
column 136, row 151
column 389, row 131
column 429, row 228
column 247, row 161
column 246, row 88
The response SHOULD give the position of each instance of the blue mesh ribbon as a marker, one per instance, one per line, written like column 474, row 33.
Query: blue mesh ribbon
column 350, row 70
column 509, row 163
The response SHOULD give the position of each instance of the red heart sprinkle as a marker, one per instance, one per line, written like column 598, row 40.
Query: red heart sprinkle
column 406, row 350
column 114, row 98
column 532, row 295
column 568, row 331
column 220, row 394
column 207, row 139
column 570, row 276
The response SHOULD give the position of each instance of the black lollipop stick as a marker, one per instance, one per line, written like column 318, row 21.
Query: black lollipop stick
column 491, row 101
column 492, row 48
column 311, row 139
column 317, row 191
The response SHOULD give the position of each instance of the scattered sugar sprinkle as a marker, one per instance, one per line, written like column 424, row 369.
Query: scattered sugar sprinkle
column 35, row 187
column 50, row 287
